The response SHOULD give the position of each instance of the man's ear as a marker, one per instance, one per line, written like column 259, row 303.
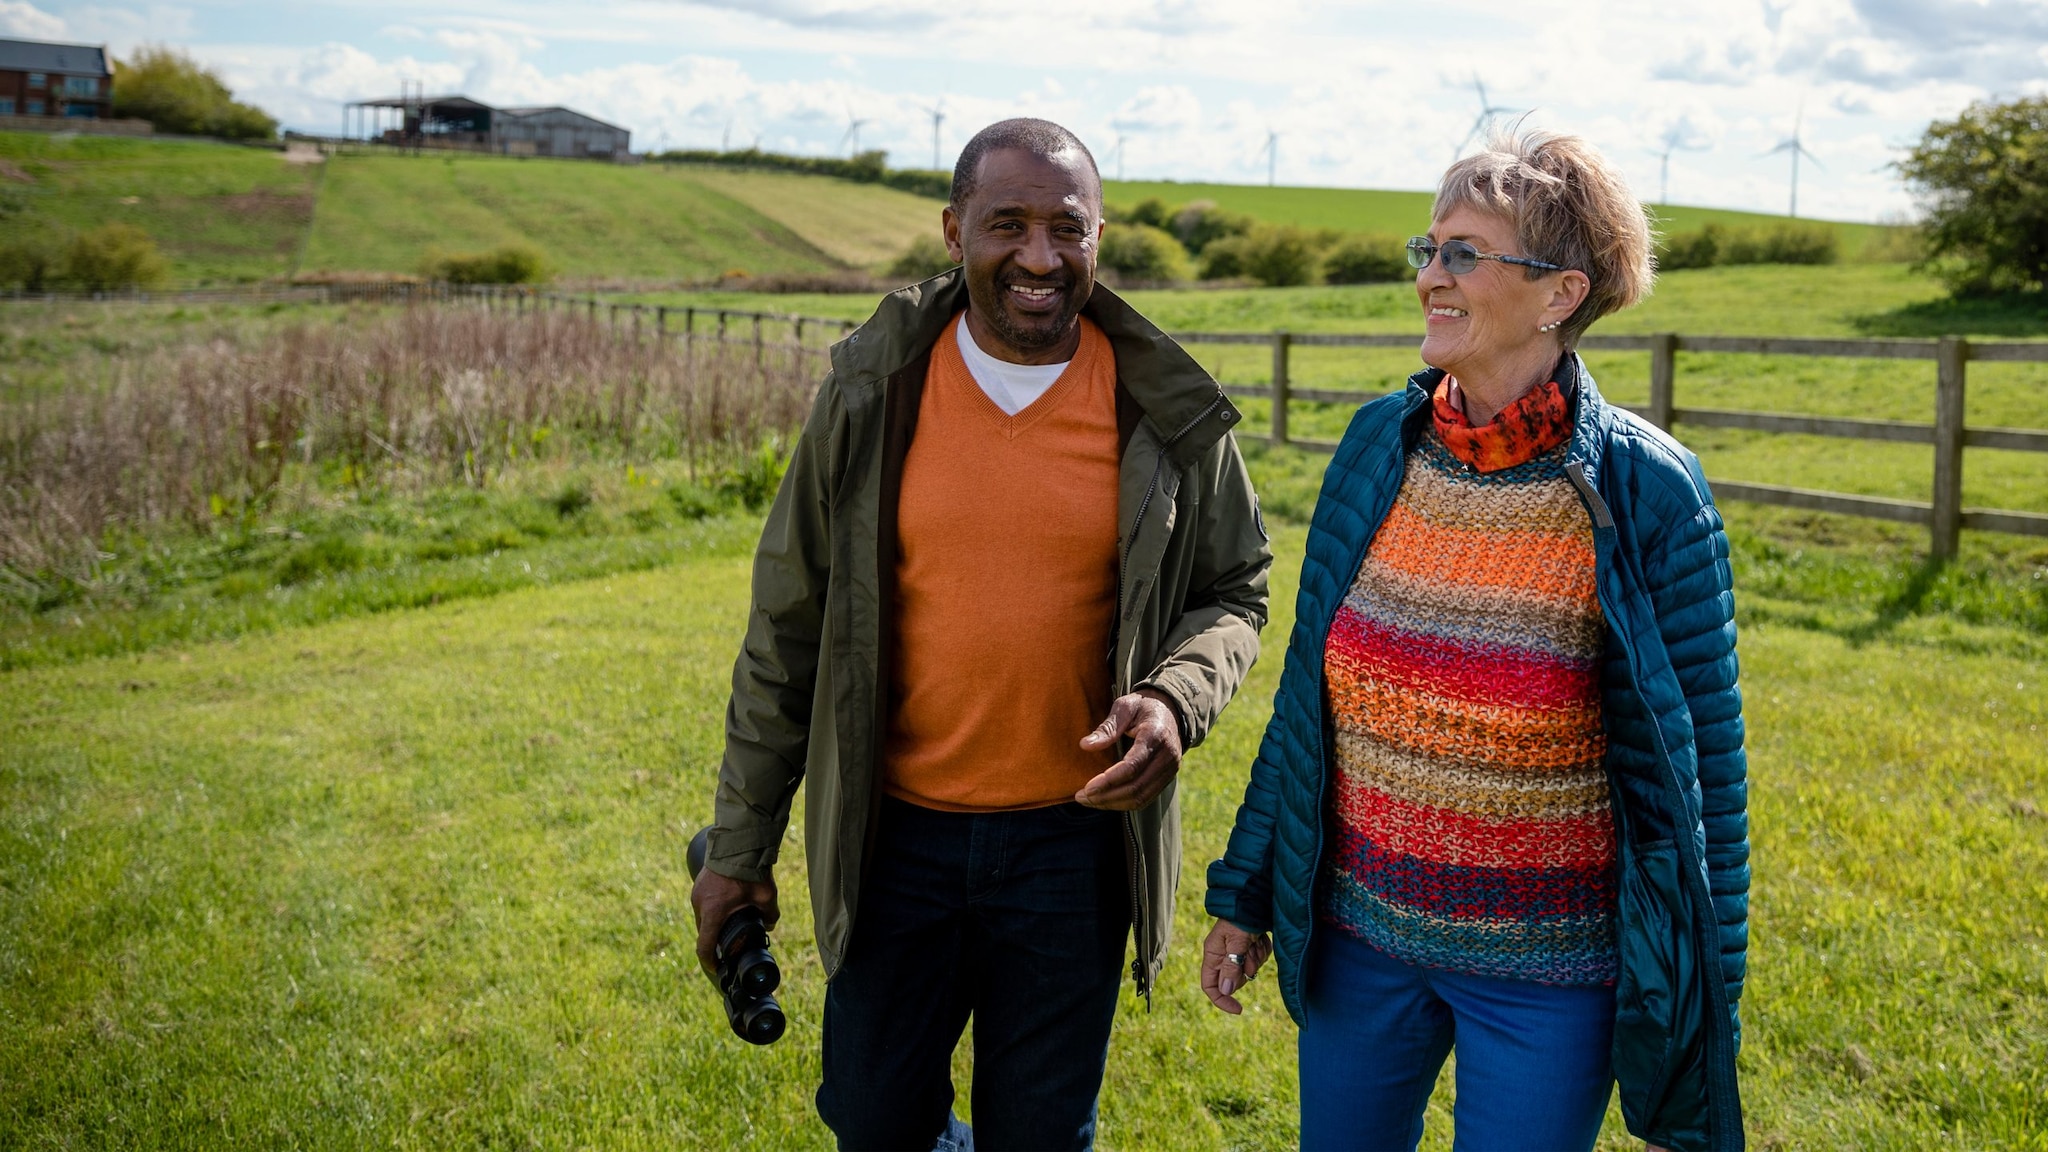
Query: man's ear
column 950, row 222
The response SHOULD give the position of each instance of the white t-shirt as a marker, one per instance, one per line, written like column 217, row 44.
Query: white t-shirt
column 1013, row 387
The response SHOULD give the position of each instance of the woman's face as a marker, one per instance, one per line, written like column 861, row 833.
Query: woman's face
column 1491, row 314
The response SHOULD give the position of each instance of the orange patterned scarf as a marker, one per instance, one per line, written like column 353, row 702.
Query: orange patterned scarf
column 1524, row 430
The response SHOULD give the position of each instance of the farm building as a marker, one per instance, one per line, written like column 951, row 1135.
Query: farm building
column 61, row 80
column 470, row 125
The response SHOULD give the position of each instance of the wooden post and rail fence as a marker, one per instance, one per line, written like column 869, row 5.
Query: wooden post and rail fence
column 1944, row 516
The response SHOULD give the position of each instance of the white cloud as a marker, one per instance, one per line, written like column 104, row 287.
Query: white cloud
column 19, row 18
column 1363, row 94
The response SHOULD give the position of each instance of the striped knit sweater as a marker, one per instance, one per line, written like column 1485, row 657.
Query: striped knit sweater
column 1470, row 816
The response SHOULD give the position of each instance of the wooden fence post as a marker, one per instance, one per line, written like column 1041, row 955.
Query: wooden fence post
column 1282, row 342
column 661, row 323
column 1949, row 358
column 1663, row 378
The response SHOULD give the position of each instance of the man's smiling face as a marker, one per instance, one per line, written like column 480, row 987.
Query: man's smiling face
column 1027, row 238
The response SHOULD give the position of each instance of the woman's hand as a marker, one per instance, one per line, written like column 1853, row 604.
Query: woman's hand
column 1231, row 956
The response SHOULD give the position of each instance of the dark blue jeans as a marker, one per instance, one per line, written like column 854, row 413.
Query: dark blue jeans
column 1017, row 919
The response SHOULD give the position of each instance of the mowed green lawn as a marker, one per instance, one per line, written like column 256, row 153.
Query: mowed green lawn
column 219, row 212
column 589, row 220
column 416, row 880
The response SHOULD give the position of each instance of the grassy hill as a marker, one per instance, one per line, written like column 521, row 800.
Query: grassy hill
column 1405, row 213
column 220, row 212
column 226, row 213
column 381, row 213
column 859, row 225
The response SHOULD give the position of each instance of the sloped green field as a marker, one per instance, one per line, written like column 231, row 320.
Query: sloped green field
column 384, row 213
column 219, row 212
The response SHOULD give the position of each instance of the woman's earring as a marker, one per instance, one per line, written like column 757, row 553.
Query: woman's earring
column 1551, row 327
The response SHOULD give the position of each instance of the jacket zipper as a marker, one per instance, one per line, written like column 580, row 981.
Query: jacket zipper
column 1141, row 954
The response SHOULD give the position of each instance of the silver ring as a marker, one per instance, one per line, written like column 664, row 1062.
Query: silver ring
column 1235, row 958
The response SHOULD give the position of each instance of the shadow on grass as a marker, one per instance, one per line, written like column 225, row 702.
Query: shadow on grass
column 2011, row 315
column 1908, row 601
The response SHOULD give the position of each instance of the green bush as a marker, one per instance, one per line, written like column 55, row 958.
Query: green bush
column 176, row 94
column 1712, row 245
column 505, row 264
column 1143, row 252
column 925, row 258
column 1151, row 212
column 1699, row 248
column 32, row 260
column 1372, row 259
column 1201, row 223
column 114, row 256
column 1786, row 243
column 1983, row 177
column 1278, row 256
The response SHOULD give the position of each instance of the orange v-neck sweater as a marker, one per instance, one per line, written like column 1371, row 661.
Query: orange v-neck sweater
column 1005, row 588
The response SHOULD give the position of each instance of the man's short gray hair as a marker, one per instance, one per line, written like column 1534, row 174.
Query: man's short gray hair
column 1569, row 207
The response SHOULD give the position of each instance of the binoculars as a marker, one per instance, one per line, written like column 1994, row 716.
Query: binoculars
column 747, row 975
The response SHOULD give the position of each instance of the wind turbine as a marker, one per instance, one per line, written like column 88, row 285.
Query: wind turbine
column 851, row 141
column 1119, row 157
column 938, row 112
column 1272, row 154
column 1487, row 111
column 1679, row 137
column 1796, row 145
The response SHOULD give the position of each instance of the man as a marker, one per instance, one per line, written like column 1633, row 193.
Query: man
column 1015, row 537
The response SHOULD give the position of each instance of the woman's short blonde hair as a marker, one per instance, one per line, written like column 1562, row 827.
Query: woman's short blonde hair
column 1569, row 207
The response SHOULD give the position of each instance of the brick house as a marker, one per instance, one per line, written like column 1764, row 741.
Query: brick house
column 60, row 80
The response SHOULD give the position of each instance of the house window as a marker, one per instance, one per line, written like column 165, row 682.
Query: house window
column 87, row 86
column 82, row 111
column 6, row 105
column 35, row 107
column 37, row 80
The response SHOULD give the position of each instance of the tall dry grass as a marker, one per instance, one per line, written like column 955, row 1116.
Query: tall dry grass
column 433, row 393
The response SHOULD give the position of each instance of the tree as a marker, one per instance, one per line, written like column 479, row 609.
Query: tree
column 1371, row 259
column 1983, row 178
column 176, row 94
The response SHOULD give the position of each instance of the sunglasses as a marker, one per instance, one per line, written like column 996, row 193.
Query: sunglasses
column 1460, row 257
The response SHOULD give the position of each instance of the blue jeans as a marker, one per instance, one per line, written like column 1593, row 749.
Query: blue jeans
column 1533, row 1059
column 1017, row 919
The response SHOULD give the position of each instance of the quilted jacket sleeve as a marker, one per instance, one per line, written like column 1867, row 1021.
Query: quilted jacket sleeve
column 1691, row 590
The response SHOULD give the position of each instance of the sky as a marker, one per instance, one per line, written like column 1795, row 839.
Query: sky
column 1361, row 94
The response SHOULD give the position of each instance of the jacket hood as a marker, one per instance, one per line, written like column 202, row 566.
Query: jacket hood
column 1183, row 402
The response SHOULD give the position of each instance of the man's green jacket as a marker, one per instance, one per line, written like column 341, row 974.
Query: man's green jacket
column 809, row 687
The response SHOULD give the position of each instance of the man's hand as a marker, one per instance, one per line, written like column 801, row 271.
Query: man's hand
column 1222, row 975
column 713, row 898
column 1153, row 759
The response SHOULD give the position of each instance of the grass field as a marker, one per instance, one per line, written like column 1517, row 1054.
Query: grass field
column 382, row 213
column 219, row 212
column 415, row 880
column 860, row 225
column 225, row 213
column 1850, row 300
column 1407, row 213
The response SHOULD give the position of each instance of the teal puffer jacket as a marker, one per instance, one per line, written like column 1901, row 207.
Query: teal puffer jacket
column 1675, row 763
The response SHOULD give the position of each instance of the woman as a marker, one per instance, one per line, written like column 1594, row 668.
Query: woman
column 1500, row 803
